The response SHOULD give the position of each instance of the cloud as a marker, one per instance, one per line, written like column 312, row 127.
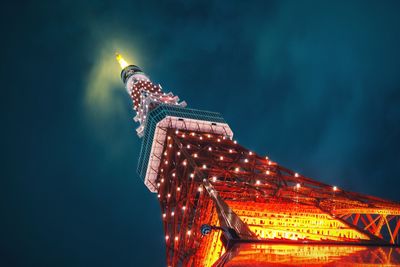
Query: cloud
column 106, row 103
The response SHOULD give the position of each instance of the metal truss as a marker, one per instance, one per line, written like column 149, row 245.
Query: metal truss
column 206, row 178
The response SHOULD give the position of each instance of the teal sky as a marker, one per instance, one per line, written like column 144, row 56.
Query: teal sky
column 315, row 85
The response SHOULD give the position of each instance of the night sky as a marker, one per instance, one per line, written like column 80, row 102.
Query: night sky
column 315, row 85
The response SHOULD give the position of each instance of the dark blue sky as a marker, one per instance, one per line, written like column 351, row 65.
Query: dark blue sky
column 313, row 84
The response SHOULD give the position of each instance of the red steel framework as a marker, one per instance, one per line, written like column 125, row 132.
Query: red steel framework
column 275, row 203
column 223, row 204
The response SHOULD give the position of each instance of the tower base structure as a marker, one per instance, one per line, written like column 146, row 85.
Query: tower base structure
column 224, row 205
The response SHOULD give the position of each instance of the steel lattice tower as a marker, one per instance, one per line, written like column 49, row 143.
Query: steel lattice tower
column 222, row 204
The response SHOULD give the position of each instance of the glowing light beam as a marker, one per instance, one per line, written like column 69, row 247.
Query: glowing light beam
column 122, row 62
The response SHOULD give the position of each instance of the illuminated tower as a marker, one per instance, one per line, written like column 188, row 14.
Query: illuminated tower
column 224, row 205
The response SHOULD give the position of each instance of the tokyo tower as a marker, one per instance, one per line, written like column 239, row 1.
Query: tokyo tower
column 224, row 205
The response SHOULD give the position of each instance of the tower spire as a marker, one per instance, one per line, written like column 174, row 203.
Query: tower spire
column 122, row 62
column 144, row 94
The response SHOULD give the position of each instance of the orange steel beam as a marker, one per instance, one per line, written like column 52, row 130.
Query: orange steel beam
column 390, row 232
column 372, row 224
column 396, row 230
column 356, row 218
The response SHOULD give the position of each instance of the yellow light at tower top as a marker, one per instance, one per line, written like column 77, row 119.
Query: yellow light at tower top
column 121, row 61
